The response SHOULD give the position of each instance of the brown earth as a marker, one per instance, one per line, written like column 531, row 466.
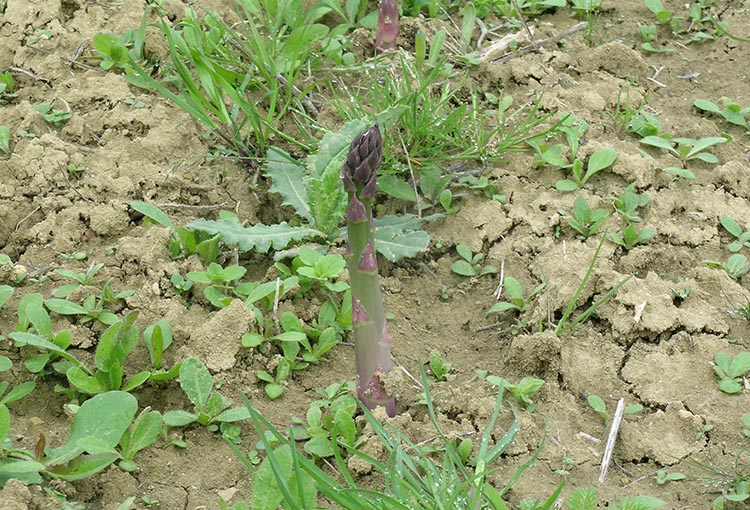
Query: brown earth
column 660, row 357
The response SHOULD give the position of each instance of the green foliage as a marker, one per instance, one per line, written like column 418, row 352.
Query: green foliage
column 730, row 371
column 735, row 267
column 631, row 236
column 662, row 477
column 742, row 237
column 5, row 141
column 210, row 408
column 312, row 268
column 158, row 337
column 506, row 8
column 586, row 221
column 518, row 300
column 628, row 203
column 598, row 405
column 600, row 160
column 730, row 111
column 522, row 391
column 586, row 498
column 330, row 420
column 142, row 433
column 52, row 115
column 7, row 88
column 687, row 149
column 470, row 263
column 438, row 367
column 633, row 119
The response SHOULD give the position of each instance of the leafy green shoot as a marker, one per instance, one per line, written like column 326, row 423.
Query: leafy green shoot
column 632, row 237
column 470, row 264
column 730, row 371
column 735, row 267
column 598, row 405
column 586, row 221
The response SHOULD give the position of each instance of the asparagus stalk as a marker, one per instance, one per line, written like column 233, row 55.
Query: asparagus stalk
column 372, row 341
column 387, row 29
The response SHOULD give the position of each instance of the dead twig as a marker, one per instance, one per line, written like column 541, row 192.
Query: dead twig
column 609, row 449
column 653, row 77
column 539, row 44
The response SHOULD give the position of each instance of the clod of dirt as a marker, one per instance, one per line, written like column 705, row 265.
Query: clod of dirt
column 14, row 496
column 616, row 59
column 481, row 221
column 537, row 355
column 218, row 340
column 589, row 364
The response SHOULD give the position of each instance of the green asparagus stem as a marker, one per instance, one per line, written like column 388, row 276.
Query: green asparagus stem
column 372, row 341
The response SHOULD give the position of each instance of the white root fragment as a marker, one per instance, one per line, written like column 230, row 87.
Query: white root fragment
column 607, row 457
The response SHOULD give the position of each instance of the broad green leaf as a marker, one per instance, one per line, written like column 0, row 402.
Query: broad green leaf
column 31, row 339
column 65, row 307
column 144, row 432
column 39, row 318
column 153, row 213
column 680, row 172
column 705, row 105
column 566, row 185
column 105, row 417
column 234, row 414
column 18, row 467
column 267, row 494
column 84, row 382
column 4, row 424
column 581, row 209
column 502, row 306
column 641, row 503
column 702, row 144
column 596, row 403
column 657, row 141
column 5, row 363
column 136, row 380
column 512, row 288
column 397, row 188
column 599, row 160
column 396, row 246
column 333, row 148
column 463, row 268
column 740, row 364
column 6, row 291
column 94, row 446
column 196, row 382
column 83, row 466
column 256, row 237
column 288, row 180
column 18, row 392
column 178, row 418
column 273, row 390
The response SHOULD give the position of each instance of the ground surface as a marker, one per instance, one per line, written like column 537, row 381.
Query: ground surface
column 661, row 359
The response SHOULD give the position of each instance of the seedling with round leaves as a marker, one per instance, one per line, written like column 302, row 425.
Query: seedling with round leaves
column 598, row 405
column 628, row 203
column 731, row 370
column 742, row 237
column 470, row 263
column 735, row 267
column 586, row 221
column 730, row 111
column 517, row 299
column 687, row 149
column 600, row 160
column 632, row 237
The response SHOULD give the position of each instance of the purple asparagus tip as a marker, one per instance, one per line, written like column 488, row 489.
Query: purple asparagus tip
column 355, row 211
column 368, row 262
column 387, row 29
column 364, row 158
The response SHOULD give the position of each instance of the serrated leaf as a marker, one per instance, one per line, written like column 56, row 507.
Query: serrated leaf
column 333, row 148
column 288, row 180
column 397, row 188
column 258, row 237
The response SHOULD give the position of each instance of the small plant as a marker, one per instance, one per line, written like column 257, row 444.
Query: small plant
column 438, row 367
column 745, row 419
column 329, row 420
column 158, row 337
column 522, row 391
column 517, row 300
column 731, row 370
column 742, row 237
column 735, row 267
column 314, row 268
column 586, row 498
column 470, row 263
column 598, row 161
column 632, row 237
column 687, row 149
column 5, row 141
column 598, row 405
column 217, row 280
column 657, row 7
column 730, row 111
column 586, row 221
column 482, row 185
column 662, row 477
column 82, row 279
column 628, row 203
column 7, row 87
column 52, row 115
column 210, row 407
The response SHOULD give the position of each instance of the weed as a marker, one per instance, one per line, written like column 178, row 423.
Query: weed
column 522, row 391
column 517, row 298
column 687, row 149
column 745, row 419
column 438, row 367
column 600, row 160
column 180, row 284
column 5, row 141
column 598, row 405
column 483, row 185
column 628, row 203
column 52, row 115
column 7, row 87
column 628, row 118
column 158, row 337
column 313, row 268
column 632, row 237
column 586, row 221
column 210, row 408
column 731, row 370
column 470, row 263
column 730, row 111
column 742, row 237
column 586, row 499
column 733, row 482
column 735, row 267
column 662, row 477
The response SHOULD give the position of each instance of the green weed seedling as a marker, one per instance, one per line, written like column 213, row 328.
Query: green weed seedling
column 180, row 284
column 183, row 241
column 600, row 160
column 586, row 221
column 16, row 393
column 158, row 337
column 687, row 149
column 482, row 185
column 5, row 141
column 735, row 267
column 82, row 279
column 52, row 115
column 95, row 433
column 7, row 88
column 142, row 433
column 664, row 16
column 260, row 297
column 470, row 263
column 647, row 34
column 210, row 407
column 730, row 111
column 438, row 367
column 745, row 419
column 517, row 298
column 628, row 118
column 742, row 237
column 330, row 420
column 34, row 319
column 522, row 391
column 218, row 280
column 312, row 268
column 632, row 237
column 628, row 203
column 598, row 405
column 586, row 498
column 662, row 477
column 731, row 371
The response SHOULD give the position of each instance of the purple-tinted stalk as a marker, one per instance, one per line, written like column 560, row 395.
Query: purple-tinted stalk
column 387, row 29
column 372, row 341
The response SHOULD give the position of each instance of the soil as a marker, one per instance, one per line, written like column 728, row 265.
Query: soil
column 645, row 345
